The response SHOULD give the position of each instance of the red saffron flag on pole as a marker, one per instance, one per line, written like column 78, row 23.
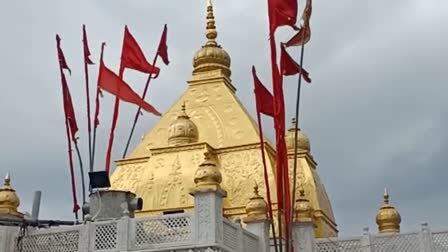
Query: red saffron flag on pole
column 289, row 66
column 265, row 105
column 162, row 51
column 282, row 12
column 133, row 57
column 303, row 36
column 70, row 120
column 111, row 83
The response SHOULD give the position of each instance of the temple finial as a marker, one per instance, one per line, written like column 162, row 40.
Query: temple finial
column 211, row 33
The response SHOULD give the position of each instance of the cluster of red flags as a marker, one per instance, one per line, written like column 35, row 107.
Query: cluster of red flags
column 132, row 57
column 281, row 13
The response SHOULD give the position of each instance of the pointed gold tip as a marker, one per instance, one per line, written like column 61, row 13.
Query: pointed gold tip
column 209, row 3
column 256, row 188
column 7, row 179
column 386, row 196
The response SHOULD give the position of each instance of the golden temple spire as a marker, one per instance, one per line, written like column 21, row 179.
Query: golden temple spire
column 256, row 208
column 183, row 130
column 303, row 142
column 211, row 56
column 388, row 218
column 303, row 209
column 211, row 34
column 9, row 200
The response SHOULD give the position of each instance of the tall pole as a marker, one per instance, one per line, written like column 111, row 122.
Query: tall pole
column 86, row 75
column 296, row 132
column 266, row 180
column 137, row 115
column 83, row 184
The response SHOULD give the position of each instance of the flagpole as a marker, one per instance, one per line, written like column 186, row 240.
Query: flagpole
column 72, row 172
column 97, row 110
column 137, row 115
column 296, row 130
column 86, row 75
column 266, row 180
column 82, row 172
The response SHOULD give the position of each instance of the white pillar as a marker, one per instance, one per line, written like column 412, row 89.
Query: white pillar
column 261, row 229
column 426, row 241
column 366, row 241
column 303, row 235
column 208, row 215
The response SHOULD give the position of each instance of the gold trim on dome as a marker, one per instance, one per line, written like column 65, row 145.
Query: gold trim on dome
column 388, row 218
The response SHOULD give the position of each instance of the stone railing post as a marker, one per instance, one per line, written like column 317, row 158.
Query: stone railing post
column 208, row 203
column 366, row 241
column 426, row 241
column 123, row 233
column 208, row 215
column 261, row 229
column 303, row 227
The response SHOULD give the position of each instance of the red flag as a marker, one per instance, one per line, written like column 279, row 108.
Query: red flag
column 263, row 98
column 289, row 66
column 86, row 47
column 303, row 36
column 70, row 121
column 67, row 99
column 110, row 82
column 265, row 104
column 62, row 61
column 162, row 51
column 282, row 12
column 132, row 56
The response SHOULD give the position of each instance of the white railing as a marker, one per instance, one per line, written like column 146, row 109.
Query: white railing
column 166, row 233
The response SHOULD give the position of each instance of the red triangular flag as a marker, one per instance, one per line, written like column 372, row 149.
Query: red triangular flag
column 162, row 51
column 304, row 35
column 110, row 82
column 289, row 66
column 86, row 46
column 132, row 56
column 62, row 61
column 263, row 98
column 282, row 12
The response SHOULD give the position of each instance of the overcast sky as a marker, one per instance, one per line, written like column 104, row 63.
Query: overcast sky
column 376, row 113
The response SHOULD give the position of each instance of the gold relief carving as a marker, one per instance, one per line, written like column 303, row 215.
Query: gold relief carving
column 229, row 109
column 215, row 119
column 128, row 177
column 240, row 170
column 160, row 163
column 238, row 134
column 174, row 187
column 203, row 95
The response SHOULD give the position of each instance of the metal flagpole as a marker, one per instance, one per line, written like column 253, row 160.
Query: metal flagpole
column 296, row 132
column 137, row 115
column 82, row 173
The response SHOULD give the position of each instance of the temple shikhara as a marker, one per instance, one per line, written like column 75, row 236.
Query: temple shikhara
column 195, row 182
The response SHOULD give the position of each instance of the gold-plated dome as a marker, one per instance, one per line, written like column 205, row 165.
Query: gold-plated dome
column 388, row 218
column 208, row 173
column 256, row 208
column 211, row 56
column 182, row 130
column 9, row 201
column 303, row 209
column 303, row 142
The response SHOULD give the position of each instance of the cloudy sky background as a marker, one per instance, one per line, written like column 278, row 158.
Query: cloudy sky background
column 376, row 113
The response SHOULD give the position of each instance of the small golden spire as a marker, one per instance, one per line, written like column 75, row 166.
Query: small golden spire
column 303, row 142
column 388, row 218
column 182, row 131
column 9, row 200
column 303, row 209
column 208, row 173
column 256, row 208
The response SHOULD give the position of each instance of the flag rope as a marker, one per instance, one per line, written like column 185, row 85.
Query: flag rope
column 86, row 75
column 81, row 169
